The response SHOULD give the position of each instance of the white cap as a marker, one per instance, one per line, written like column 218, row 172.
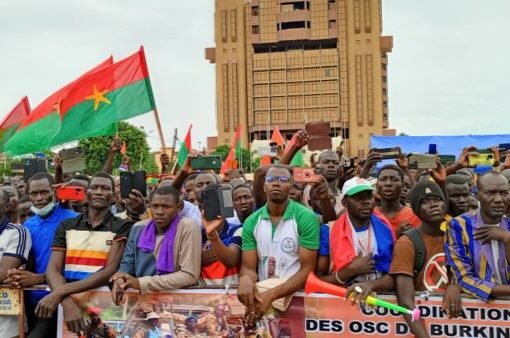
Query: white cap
column 152, row 315
column 356, row 185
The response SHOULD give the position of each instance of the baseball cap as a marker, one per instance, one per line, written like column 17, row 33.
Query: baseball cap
column 356, row 185
column 152, row 315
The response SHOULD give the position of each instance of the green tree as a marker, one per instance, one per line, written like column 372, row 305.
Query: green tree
column 97, row 148
column 403, row 134
column 245, row 157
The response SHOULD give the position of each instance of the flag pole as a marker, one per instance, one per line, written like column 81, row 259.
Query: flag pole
column 160, row 131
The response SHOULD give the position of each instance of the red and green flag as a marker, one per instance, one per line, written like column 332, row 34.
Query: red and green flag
column 96, row 102
column 38, row 129
column 185, row 148
column 235, row 148
column 297, row 160
column 12, row 121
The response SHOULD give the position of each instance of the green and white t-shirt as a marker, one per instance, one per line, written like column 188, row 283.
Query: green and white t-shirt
column 277, row 245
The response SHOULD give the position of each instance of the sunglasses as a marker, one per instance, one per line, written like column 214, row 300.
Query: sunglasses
column 279, row 179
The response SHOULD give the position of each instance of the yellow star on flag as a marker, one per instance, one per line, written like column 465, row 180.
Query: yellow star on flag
column 98, row 97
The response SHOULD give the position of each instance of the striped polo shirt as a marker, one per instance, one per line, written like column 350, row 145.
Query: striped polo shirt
column 87, row 247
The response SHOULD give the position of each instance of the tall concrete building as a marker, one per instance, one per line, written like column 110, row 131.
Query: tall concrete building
column 287, row 62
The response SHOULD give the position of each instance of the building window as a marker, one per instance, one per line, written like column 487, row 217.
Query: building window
column 255, row 11
column 384, row 79
column 385, row 104
column 384, row 66
column 293, row 25
column 255, row 29
column 332, row 24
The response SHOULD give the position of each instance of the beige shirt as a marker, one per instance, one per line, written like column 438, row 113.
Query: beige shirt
column 187, row 260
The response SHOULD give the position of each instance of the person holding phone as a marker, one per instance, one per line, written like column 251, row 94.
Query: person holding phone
column 162, row 253
column 97, row 232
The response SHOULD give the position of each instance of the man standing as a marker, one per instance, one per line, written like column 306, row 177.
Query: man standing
column 12, row 207
column 282, row 229
column 162, row 253
column 360, row 242
column 242, row 197
column 429, row 204
column 458, row 198
column 477, row 244
column 42, row 226
column 389, row 188
column 15, row 244
column 86, row 252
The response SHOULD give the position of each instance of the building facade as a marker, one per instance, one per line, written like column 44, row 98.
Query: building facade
column 288, row 62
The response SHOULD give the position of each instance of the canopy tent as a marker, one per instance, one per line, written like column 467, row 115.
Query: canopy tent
column 446, row 145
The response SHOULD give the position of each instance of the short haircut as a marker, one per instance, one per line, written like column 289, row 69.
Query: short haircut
column 489, row 173
column 14, row 189
column 103, row 174
column 5, row 196
column 167, row 191
column 280, row 166
column 242, row 186
column 395, row 168
column 328, row 152
column 456, row 179
column 208, row 173
column 190, row 178
column 42, row 176
column 466, row 172
column 81, row 177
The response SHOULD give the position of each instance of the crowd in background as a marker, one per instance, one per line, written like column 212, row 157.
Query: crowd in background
column 367, row 227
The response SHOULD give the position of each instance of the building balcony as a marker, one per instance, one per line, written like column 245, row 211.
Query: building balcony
column 210, row 54
column 294, row 34
column 386, row 43
column 299, row 15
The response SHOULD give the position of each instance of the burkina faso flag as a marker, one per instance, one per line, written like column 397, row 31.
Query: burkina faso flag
column 115, row 93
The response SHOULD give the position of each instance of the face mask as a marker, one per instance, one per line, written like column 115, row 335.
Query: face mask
column 43, row 211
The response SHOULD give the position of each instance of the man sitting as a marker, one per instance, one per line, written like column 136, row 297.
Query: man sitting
column 477, row 244
column 162, row 253
column 86, row 252
column 360, row 242
column 284, row 230
column 15, row 243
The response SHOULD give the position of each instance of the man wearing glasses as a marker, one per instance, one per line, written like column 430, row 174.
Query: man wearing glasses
column 283, row 236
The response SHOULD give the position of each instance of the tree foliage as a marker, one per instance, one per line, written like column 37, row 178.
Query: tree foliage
column 243, row 159
column 97, row 149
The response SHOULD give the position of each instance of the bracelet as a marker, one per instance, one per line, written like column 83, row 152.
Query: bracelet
column 338, row 279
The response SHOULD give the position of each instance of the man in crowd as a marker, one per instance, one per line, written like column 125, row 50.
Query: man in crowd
column 162, row 253
column 12, row 207
column 360, row 242
column 86, row 252
column 24, row 209
column 221, row 251
column 150, row 328
column 389, row 188
column 15, row 243
column 429, row 204
column 214, row 323
column 242, row 198
column 477, row 245
column 458, row 197
column 282, row 229
column 42, row 226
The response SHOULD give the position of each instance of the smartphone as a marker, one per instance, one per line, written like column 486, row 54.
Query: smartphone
column 504, row 147
column 480, row 159
column 432, row 148
column 33, row 166
column 318, row 136
column 447, row 159
column 348, row 163
column 206, row 162
column 217, row 201
column 422, row 161
column 307, row 175
column 130, row 181
column 73, row 160
column 388, row 153
column 268, row 151
column 68, row 193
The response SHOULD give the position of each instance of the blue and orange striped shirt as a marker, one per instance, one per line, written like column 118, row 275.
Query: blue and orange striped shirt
column 473, row 264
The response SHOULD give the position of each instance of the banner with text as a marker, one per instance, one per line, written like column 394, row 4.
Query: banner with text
column 214, row 313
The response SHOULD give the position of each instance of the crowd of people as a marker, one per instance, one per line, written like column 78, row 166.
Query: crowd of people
column 371, row 227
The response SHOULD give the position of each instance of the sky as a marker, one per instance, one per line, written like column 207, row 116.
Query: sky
column 447, row 74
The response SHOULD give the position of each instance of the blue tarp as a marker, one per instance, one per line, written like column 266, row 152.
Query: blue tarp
column 446, row 145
